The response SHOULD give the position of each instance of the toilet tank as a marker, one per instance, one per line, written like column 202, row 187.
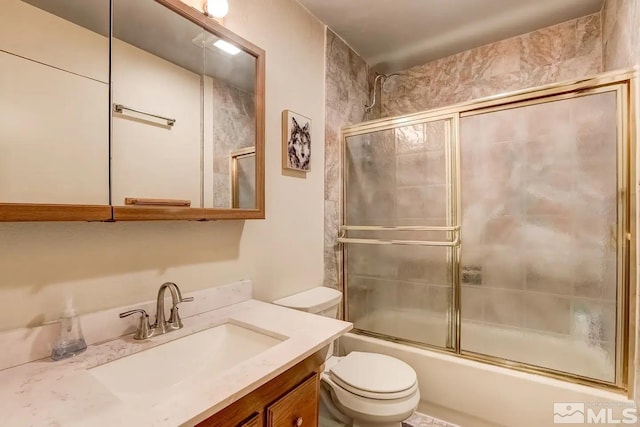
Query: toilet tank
column 320, row 300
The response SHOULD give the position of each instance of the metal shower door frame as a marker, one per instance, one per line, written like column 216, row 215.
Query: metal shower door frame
column 451, row 229
column 625, row 84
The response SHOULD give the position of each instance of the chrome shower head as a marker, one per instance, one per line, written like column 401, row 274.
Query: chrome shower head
column 383, row 78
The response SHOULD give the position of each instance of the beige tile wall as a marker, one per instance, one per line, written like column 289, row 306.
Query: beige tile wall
column 620, row 35
column 560, row 52
column 346, row 91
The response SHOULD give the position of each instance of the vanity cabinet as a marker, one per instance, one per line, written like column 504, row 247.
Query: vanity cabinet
column 289, row 400
column 257, row 420
column 298, row 407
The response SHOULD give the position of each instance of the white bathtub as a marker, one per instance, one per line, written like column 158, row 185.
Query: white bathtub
column 474, row 394
column 552, row 351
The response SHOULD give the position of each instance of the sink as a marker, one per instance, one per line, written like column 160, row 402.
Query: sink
column 208, row 352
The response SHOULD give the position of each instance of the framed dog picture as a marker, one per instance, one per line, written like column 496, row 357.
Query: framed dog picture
column 296, row 141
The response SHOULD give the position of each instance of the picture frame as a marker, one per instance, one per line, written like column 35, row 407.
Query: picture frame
column 296, row 141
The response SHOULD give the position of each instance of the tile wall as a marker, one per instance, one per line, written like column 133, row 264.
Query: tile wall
column 347, row 91
column 561, row 52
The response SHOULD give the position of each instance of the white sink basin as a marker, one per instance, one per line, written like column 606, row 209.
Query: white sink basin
column 207, row 352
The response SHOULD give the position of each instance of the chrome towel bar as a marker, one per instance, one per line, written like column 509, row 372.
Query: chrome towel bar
column 398, row 228
column 119, row 108
column 454, row 243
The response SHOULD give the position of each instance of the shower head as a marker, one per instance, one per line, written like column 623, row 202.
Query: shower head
column 386, row 76
column 383, row 78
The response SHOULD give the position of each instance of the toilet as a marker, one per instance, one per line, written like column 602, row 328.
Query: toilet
column 360, row 389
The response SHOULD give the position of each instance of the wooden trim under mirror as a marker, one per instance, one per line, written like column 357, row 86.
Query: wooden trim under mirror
column 153, row 213
column 29, row 212
column 214, row 214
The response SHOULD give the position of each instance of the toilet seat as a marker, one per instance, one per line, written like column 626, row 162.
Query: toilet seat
column 377, row 396
column 374, row 376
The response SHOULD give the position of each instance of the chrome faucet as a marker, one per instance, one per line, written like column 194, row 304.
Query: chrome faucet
column 161, row 326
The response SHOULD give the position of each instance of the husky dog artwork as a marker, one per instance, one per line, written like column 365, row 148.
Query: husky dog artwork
column 298, row 142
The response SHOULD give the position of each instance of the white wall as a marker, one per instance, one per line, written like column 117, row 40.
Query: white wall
column 284, row 254
column 106, row 265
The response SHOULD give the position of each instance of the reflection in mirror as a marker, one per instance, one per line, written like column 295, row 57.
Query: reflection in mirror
column 243, row 178
column 229, row 118
column 157, row 76
column 54, row 117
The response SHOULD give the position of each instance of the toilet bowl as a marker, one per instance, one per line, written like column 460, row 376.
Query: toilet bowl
column 360, row 389
column 369, row 389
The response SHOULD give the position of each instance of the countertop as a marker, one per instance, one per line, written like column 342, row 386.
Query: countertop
column 47, row 393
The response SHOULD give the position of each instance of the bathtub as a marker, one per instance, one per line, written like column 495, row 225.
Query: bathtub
column 475, row 394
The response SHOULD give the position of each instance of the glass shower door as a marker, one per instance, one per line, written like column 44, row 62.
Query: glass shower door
column 401, row 232
column 539, row 224
column 502, row 230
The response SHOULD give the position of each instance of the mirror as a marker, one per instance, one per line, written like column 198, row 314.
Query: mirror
column 54, row 98
column 127, row 110
column 184, row 100
column 243, row 178
column 230, row 119
column 157, row 98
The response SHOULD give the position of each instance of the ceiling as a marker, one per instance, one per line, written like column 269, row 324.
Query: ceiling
column 157, row 30
column 398, row 34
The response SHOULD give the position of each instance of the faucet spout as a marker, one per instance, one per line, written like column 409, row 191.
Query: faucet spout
column 161, row 325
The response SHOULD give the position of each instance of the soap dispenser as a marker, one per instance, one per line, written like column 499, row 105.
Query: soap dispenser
column 70, row 342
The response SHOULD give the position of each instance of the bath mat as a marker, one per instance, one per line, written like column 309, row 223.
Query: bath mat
column 422, row 420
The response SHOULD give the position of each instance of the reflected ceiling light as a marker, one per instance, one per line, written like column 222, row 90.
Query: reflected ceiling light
column 227, row 47
column 216, row 8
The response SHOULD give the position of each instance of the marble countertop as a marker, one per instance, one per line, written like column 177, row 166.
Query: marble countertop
column 47, row 393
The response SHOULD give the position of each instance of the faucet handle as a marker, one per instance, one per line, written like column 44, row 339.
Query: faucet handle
column 130, row 312
column 174, row 319
column 180, row 299
column 144, row 328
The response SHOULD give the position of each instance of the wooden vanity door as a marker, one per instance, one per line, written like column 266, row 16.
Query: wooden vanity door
column 298, row 408
column 256, row 420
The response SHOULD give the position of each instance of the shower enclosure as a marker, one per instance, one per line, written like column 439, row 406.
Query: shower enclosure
column 499, row 230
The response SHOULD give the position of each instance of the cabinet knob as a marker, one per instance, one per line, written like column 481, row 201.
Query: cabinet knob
column 299, row 422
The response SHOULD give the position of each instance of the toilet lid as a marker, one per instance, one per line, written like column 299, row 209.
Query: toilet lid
column 374, row 373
